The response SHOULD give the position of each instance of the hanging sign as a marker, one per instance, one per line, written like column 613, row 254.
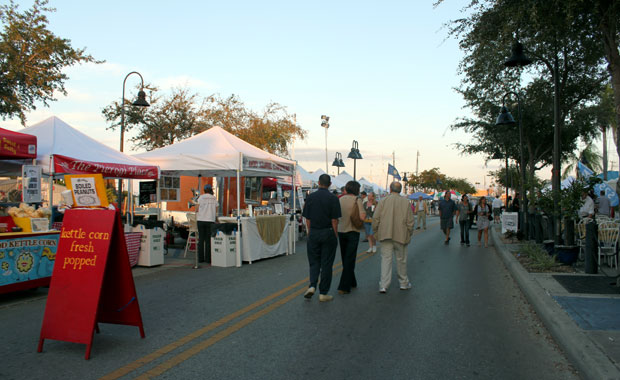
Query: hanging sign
column 148, row 192
column 91, row 281
column 88, row 190
column 31, row 184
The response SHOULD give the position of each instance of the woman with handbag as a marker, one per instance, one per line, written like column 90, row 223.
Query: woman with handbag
column 349, row 227
column 369, row 209
column 483, row 211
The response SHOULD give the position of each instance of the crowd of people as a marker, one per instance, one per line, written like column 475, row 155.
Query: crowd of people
column 334, row 220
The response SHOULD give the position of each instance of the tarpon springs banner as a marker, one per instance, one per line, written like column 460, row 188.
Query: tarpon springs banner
column 68, row 165
column 267, row 166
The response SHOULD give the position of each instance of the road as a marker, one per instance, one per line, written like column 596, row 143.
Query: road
column 465, row 318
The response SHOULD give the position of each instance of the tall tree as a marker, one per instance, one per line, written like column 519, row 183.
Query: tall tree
column 32, row 59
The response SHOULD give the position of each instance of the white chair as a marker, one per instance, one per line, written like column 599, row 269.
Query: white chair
column 193, row 233
column 580, row 228
column 607, row 244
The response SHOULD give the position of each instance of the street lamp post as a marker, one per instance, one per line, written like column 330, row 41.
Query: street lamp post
column 505, row 118
column 140, row 102
column 355, row 155
column 325, row 124
column 338, row 162
column 405, row 180
column 518, row 58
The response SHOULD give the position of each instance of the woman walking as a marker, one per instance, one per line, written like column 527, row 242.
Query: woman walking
column 369, row 209
column 349, row 235
column 483, row 211
column 463, row 213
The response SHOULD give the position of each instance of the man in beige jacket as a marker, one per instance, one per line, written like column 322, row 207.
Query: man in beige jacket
column 421, row 209
column 393, row 226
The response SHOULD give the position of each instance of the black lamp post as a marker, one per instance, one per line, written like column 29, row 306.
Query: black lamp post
column 505, row 118
column 325, row 124
column 405, row 179
column 355, row 155
column 140, row 102
column 338, row 162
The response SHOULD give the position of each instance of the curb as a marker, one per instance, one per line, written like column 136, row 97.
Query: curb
column 587, row 356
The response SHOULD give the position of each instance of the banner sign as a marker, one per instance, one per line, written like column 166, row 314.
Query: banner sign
column 27, row 258
column 92, row 281
column 68, row 165
column 266, row 166
column 31, row 184
column 17, row 145
column 510, row 221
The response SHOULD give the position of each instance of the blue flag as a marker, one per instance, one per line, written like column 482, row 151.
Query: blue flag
column 393, row 172
column 586, row 172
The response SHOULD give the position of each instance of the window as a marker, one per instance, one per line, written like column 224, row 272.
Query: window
column 169, row 188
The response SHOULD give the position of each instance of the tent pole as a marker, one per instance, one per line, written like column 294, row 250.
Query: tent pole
column 238, row 237
column 51, row 188
column 294, row 224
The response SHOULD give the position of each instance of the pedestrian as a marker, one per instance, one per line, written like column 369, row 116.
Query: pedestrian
column 516, row 206
column 321, row 210
column 206, row 212
column 604, row 205
column 447, row 209
column 369, row 209
column 587, row 208
column 393, row 226
column 421, row 210
column 349, row 235
column 484, row 215
column 497, row 208
column 364, row 198
column 463, row 214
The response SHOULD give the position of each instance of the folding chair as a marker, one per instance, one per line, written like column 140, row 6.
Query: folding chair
column 580, row 228
column 607, row 244
column 193, row 233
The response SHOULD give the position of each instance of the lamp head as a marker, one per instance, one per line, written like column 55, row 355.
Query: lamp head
column 141, row 101
column 518, row 57
column 504, row 117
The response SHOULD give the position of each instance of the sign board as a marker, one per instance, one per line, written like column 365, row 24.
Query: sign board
column 148, row 192
column 31, row 183
column 88, row 190
column 510, row 221
column 92, row 281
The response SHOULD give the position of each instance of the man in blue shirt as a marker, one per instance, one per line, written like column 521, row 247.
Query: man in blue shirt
column 447, row 209
column 322, row 210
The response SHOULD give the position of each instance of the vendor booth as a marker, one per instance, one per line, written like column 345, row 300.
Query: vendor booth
column 218, row 153
column 63, row 149
column 27, row 249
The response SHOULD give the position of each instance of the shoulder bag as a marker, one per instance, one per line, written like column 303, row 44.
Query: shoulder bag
column 356, row 221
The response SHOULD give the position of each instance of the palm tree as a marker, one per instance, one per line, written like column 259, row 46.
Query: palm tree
column 589, row 156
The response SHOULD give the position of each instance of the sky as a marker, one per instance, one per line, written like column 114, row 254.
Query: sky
column 384, row 72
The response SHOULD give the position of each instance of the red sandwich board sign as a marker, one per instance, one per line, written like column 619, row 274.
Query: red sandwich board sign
column 92, row 281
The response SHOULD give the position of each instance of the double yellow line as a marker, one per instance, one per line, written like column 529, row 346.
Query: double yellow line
column 197, row 348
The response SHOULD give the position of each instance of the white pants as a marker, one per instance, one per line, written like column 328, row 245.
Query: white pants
column 390, row 248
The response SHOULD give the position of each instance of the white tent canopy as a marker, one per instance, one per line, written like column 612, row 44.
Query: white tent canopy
column 216, row 152
column 314, row 176
column 305, row 177
column 62, row 149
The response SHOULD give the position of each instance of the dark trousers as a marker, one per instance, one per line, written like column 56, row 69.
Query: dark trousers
column 348, row 251
column 464, row 224
column 204, row 241
column 321, row 253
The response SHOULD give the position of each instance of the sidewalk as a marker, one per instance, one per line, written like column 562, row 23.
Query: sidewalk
column 585, row 326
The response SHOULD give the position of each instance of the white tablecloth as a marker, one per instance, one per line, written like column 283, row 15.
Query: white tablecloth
column 253, row 248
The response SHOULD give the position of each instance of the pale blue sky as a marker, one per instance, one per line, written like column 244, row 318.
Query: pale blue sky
column 383, row 71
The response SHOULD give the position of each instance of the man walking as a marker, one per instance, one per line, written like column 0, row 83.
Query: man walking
column 205, row 218
column 603, row 204
column 392, row 223
column 321, row 210
column 447, row 208
column 421, row 209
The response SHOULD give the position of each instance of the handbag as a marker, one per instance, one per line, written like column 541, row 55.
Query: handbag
column 356, row 221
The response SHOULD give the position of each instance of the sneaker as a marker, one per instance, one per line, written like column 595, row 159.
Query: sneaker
column 374, row 249
column 405, row 287
column 383, row 290
column 310, row 292
column 467, row 244
column 325, row 297
column 369, row 250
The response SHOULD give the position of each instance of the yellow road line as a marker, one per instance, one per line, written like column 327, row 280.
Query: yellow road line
column 183, row 356
column 198, row 333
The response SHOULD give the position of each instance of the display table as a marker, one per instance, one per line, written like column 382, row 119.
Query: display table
column 26, row 259
column 263, row 237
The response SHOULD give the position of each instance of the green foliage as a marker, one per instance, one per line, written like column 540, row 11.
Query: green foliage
column 32, row 59
column 540, row 259
column 434, row 180
column 183, row 114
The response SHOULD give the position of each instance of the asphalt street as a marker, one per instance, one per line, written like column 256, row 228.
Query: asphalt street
column 465, row 318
